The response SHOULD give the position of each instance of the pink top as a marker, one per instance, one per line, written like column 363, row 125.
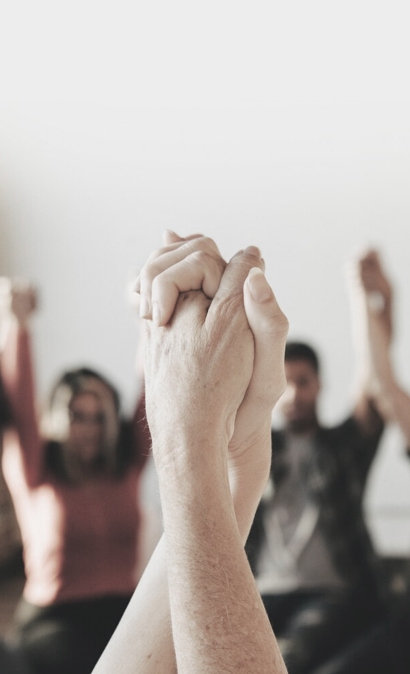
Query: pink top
column 79, row 541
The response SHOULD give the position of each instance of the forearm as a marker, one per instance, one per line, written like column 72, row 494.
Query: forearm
column 209, row 580
column 390, row 397
column 218, row 620
column 143, row 643
column 17, row 373
column 395, row 404
column 372, row 343
column 18, row 378
column 247, row 486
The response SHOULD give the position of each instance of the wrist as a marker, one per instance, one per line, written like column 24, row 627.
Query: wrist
column 19, row 322
column 188, row 455
column 183, row 433
column 193, row 486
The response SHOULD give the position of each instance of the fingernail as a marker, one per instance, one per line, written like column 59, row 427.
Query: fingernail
column 258, row 285
column 156, row 313
column 253, row 250
column 144, row 307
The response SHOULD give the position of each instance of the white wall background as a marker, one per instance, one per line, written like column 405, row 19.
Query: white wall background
column 281, row 124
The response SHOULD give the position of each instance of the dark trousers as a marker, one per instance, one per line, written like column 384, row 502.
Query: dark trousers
column 66, row 638
column 11, row 661
column 314, row 627
column 384, row 649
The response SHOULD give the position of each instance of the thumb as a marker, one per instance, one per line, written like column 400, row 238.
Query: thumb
column 269, row 326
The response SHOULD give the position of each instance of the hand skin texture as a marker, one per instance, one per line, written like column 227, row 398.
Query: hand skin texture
column 213, row 373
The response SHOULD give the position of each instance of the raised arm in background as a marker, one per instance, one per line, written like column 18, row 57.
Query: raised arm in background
column 18, row 303
column 367, row 409
column 377, row 291
column 200, row 367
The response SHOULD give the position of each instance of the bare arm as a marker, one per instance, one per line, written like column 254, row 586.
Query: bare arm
column 150, row 649
column 19, row 302
column 367, row 409
column 393, row 400
column 218, row 619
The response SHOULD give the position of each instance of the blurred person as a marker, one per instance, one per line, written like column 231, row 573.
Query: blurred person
column 214, row 370
column 309, row 546
column 10, row 548
column 11, row 661
column 376, row 306
column 386, row 647
column 74, row 481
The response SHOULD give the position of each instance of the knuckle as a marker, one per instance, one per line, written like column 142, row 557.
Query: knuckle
column 203, row 243
column 201, row 256
column 209, row 260
column 210, row 244
column 149, row 271
column 158, row 252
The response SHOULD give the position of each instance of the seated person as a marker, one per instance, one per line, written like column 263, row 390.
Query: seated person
column 384, row 647
column 214, row 370
column 309, row 546
column 74, row 480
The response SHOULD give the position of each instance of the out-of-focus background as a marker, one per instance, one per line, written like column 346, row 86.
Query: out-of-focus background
column 284, row 125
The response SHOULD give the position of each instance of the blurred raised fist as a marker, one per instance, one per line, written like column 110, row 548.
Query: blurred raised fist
column 18, row 298
column 373, row 276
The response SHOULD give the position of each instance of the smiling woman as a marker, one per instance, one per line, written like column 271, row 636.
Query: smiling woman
column 75, row 487
column 83, row 427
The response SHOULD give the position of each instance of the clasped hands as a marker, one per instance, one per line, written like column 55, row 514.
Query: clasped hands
column 214, row 352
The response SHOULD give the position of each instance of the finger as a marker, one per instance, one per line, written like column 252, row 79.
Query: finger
column 170, row 237
column 198, row 271
column 269, row 326
column 153, row 256
column 230, row 290
column 170, row 256
column 172, row 240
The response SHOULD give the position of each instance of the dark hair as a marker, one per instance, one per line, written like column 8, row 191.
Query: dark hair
column 117, row 453
column 302, row 351
column 74, row 380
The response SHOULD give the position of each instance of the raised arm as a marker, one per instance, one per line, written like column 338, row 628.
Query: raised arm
column 18, row 303
column 367, row 409
column 393, row 400
column 143, row 641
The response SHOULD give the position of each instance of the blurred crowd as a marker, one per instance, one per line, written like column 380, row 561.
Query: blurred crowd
column 71, row 504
